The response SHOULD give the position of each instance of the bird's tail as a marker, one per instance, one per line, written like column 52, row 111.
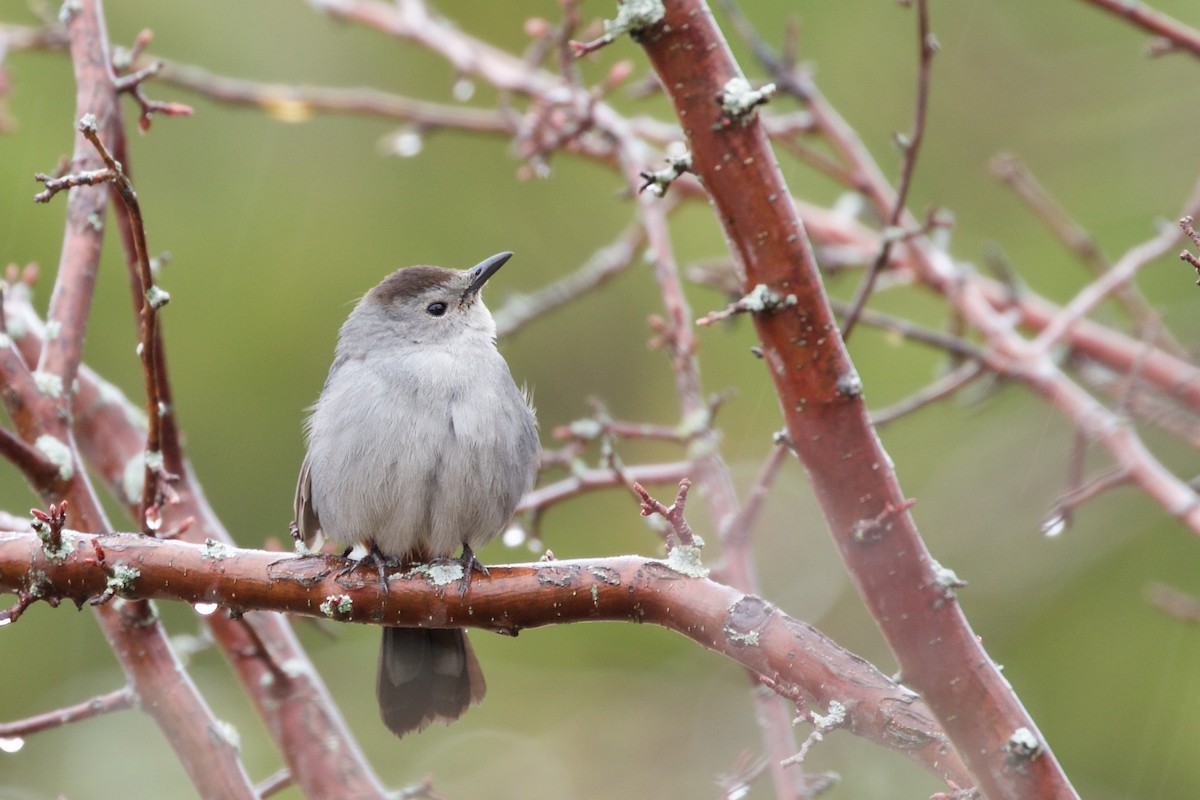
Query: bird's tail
column 425, row 675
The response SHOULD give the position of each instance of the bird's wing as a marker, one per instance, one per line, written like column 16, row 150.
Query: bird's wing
column 307, row 527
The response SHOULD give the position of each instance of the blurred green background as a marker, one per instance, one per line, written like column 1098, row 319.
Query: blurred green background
column 276, row 228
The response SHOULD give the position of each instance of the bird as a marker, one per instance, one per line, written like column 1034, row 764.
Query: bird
column 420, row 443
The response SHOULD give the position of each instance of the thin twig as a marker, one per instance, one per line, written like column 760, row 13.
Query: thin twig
column 673, row 513
column 1178, row 35
column 117, row 700
column 1009, row 169
column 927, row 47
column 1121, row 274
column 543, row 497
column 943, row 387
column 603, row 265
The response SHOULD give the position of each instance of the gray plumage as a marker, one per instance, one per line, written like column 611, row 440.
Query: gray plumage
column 420, row 443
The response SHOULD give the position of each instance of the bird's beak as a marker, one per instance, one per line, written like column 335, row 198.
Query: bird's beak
column 484, row 270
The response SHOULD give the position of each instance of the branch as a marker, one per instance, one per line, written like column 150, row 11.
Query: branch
column 1008, row 168
column 911, row 147
column 820, row 395
column 1170, row 30
column 512, row 598
column 118, row 700
column 298, row 713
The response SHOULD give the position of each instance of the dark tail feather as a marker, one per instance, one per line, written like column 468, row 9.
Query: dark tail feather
column 426, row 675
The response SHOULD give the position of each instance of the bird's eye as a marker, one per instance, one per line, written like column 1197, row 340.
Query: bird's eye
column 436, row 309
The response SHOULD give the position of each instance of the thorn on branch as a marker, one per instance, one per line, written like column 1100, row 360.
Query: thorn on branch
column 658, row 181
column 633, row 17
column 761, row 300
column 1190, row 231
column 872, row 529
column 738, row 100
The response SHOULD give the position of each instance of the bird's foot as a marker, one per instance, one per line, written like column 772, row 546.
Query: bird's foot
column 374, row 557
column 468, row 563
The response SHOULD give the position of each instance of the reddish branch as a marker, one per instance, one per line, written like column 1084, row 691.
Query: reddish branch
column 1008, row 168
column 1171, row 31
column 298, row 713
column 911, row 147
column 118, row 700
column 740, row 626
column 152, row 298
column 820, row 395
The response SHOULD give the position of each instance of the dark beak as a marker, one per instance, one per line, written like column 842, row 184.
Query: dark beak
column 484, row 270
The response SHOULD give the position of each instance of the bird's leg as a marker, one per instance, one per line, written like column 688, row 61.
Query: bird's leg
column 469, row 563
column 374, row 556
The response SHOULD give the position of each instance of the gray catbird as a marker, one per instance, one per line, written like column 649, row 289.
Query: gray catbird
column 420, row 442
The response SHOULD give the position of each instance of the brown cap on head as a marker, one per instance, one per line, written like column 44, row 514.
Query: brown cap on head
column 410, row 282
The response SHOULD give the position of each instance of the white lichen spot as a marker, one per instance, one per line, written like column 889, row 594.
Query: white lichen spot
column 55, row 554
column 945, row 578
column 53, row 330
column 225, row 732
column 68, row 11
column 295, row 667
column 762, row 298
column 747, row 638
column 95, row 222
column 739, row 98
column 217, row 551
column 658, row 181
column 1023, row 745
column 87, row 122
column 442, row 573
column 59, row 454
column 16, row 327
column 133, row 479
column 835, row 717
column 157, row 297
column 48, row 383
column 634, row 16
column 154, row 459
column 685, row 559
column 120, row 580
column 586, row 429
column 849, row 384
column 336, row 606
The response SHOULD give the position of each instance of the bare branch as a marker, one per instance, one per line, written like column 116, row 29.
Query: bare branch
column 1174, row 33
column 511, row 598
column 911, row 147
column 118, row 700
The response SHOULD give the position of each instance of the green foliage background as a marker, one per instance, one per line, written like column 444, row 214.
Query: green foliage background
column 276, row 228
